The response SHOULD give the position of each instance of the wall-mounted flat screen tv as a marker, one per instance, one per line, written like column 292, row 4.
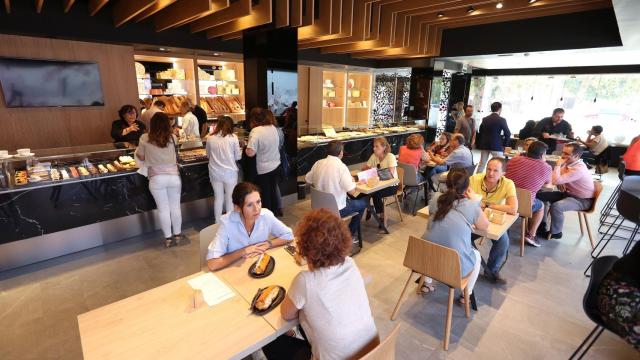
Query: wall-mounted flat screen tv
column 44, row 83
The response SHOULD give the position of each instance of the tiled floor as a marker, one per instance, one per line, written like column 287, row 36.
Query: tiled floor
column 538, row 315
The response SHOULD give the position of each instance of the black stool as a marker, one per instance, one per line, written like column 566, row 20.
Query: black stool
column 627, row 205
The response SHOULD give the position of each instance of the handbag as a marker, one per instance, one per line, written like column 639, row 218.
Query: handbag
column 385, row 174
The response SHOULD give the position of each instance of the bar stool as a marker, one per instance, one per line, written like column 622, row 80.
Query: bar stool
column 627, row 205
column 610, row 204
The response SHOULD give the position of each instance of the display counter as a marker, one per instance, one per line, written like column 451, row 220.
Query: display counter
column 358, row 145
column 44, row 216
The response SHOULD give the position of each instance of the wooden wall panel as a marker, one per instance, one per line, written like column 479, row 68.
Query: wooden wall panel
column 54, row 127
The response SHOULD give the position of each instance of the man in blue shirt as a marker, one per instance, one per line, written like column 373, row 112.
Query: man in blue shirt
column 493, row 135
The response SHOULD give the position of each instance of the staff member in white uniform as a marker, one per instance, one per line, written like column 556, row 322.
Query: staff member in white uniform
column 189, row 121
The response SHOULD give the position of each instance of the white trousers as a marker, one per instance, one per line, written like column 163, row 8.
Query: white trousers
column 166, row 192
column 475, row 272
column 222, row 191
column 484, row 158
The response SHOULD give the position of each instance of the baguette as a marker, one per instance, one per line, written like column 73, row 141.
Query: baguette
column 262, row 263
column 266, row 297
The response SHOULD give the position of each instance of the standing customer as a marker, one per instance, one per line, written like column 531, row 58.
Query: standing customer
column 530, row 172
column 576, row 189
column 223, row 150
column 158, row 151
column 632, row 157
column 264, row 144
column 329, row 299
column 157, row 106
column 128, row 128
column 494, row 135
column 466, row 126
column 450, row 223
column 382, row 158
column 189, row 121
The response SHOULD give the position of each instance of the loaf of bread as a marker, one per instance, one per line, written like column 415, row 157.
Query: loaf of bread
column 262, row 263
column 266, row 297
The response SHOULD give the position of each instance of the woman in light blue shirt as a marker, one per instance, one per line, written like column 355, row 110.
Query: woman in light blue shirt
column 245, row 231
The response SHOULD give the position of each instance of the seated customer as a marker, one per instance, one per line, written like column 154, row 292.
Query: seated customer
column 440, row 147
column 527, row 142
column 382, row 158
column 413, row 153
column 459, row 156
column 576, row 189
column 530, row 172
column 331, row 175
column 245, row 231
column 527, row 130
column 596, row 143
column 498, row 193
column 631, row 158
column 450, row 219
column 329, row 299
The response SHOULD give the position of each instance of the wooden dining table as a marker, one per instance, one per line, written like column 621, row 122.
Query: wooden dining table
column 363, row 188
column 494, row 232
column 162, row 323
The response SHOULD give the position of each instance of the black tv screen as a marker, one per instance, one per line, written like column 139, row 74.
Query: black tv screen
column 42, row 83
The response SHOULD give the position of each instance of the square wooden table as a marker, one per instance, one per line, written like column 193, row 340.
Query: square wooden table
column 494, row 232
column 158, row 324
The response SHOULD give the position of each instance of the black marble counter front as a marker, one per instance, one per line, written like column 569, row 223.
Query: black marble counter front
column 48, row 209
column 355, row 151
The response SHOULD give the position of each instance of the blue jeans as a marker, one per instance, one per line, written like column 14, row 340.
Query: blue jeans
column 537, row 205
column 354, row 206
column 498, row 253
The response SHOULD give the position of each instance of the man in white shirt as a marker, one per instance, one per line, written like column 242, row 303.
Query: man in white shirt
column 332, row 175
column 157, row 106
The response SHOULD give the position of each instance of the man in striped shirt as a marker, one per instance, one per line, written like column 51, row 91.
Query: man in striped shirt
column 530, row 172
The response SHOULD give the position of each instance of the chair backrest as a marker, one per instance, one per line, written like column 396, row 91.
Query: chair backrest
column 386, row 350
column 628, row 205
column 599, row 269
column 206, row 236
column 596, row 194
column 410, row 177
column 435, row 261
column 524, row 202
column 470, row 169
column 324, row 200
column 400, row 172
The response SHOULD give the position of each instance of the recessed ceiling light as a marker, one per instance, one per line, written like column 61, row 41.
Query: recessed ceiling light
column 499, row 5
column 471, row 9
column 216, row 54
column 532, row 1
column 163, row 49
column 440, row 14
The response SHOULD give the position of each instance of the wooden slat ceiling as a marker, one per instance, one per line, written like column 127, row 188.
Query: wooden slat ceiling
column 383, row 29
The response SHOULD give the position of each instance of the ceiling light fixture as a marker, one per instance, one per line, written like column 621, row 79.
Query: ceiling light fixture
column 216, row 54
column 532, row 1
column 162, row 49
column 440, row 14
column 499, row 5
column 471, row 9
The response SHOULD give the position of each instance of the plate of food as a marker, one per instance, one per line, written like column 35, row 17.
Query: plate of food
column 266, row 299
column 263, row 267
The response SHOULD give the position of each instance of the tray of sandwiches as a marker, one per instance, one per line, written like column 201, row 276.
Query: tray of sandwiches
column 195, row 155
column 47, row 172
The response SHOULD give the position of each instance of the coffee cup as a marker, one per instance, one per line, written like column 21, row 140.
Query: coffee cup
column 25, row 151
column 4, row 153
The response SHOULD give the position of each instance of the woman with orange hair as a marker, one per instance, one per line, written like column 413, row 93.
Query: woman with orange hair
column 343, row 330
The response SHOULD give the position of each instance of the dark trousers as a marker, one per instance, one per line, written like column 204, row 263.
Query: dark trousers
column 354, row 206
column 381, row 194
column 287, row 348
column 269, row 192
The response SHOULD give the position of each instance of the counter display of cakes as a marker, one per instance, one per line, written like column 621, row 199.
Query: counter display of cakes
column 189, row 156
column 354, row 134
column 48, row 172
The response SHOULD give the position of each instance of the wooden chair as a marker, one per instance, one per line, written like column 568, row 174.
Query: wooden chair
column 206, row 236
column 325, row 200
column 386, row 350
column 582, row 215
column 439, row 263
column 410, row 181
column 399, row 193
column 524, row 209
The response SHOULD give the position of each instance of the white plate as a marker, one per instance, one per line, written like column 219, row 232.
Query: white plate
column 25, row 155
column 6, row 157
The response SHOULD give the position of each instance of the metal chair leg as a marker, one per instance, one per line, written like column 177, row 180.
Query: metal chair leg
column 591, row 339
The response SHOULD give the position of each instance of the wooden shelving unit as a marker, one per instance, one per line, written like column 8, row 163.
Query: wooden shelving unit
column 222, row 93
column 333, row 98
column 358, row 99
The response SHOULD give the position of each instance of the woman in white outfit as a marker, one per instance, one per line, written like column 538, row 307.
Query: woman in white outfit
column 190, row 124
column 223, row 150
column 158, row 151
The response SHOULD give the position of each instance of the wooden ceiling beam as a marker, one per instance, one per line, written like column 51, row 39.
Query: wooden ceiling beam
column 296, row 13
column 39, row 4
column 67, row 4
column 322, row 25
column 153, row 9
column 260, row 14
column 96, row 5
column 282, row 13
column 235, row 10
column 125, row 10
column 185, row 11
column 308, row 15
column 7, row 6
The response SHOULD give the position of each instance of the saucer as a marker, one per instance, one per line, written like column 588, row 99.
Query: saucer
column 25, row 155
column 6, row 157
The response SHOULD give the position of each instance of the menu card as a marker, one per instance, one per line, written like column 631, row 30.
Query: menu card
column 363, row 176
column 214, row 291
